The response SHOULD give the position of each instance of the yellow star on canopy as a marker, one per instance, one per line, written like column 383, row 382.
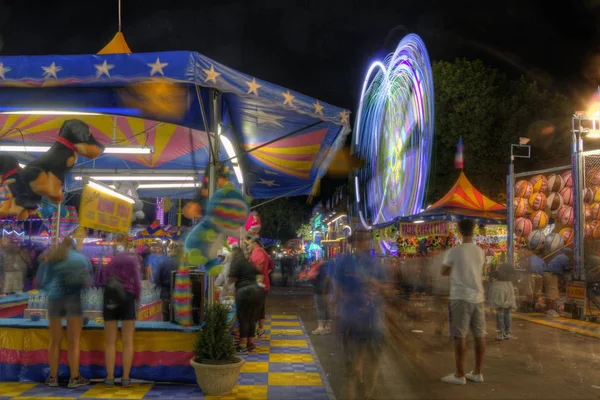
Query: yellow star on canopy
column 211, row 74
column 51, row 71
column 288, row 98
column 3, row 70
column 344, row 115
column 318, row 108
column 103, row 69
column 267, row 183
column 253, row 86
column 157, row 67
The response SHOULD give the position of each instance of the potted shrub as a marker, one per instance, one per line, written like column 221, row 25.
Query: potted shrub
column 215, row 363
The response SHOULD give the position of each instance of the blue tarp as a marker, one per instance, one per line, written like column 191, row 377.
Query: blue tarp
column 253, row 112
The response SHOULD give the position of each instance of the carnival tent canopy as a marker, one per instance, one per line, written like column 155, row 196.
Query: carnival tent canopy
column 289, row 138
column 462, row 201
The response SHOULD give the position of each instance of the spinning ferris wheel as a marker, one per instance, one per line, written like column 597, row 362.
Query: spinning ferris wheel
column 394, row 132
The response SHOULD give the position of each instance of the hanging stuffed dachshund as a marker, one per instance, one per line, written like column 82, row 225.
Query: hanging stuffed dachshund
column 46, row 174
column 197, row 206
column 22, row 201
column 226, row 212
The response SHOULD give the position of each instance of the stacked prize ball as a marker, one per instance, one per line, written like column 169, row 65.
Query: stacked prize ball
column 542, row 200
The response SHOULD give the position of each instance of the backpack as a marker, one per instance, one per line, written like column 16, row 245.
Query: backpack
column 114, row 293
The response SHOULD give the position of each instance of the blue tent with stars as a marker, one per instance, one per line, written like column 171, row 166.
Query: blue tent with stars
column 280, row 141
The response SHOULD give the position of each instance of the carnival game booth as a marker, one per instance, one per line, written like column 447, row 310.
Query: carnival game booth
column 544, row 220
column 422, row 236
column 161, row 117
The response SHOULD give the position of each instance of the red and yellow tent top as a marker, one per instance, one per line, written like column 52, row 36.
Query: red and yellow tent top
column 463, row 200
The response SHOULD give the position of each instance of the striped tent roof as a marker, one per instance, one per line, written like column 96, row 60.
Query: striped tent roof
column 463, row 201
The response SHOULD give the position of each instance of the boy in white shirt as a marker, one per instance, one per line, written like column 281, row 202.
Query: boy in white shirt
column 464, row 265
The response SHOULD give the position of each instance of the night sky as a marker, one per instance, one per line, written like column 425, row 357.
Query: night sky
column 323, row 48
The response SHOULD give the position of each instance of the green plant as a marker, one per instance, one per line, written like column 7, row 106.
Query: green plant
column 214, row 343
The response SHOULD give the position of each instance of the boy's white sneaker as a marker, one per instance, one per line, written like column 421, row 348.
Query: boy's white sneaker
column 454, row 380
column 474, row 378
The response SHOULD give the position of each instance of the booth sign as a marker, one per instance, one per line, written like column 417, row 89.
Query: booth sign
column 576, row 293
column 424, row 229
column 99, row 210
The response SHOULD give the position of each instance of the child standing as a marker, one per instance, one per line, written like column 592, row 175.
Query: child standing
column 502, row 299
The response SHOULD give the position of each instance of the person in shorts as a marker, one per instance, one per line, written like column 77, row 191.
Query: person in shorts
column 67, row 272
column 464, row 265
column 122, row 287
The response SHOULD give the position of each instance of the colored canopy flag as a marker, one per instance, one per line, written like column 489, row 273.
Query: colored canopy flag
column 284, row 140
column 155, row 229
column 459, row 162
column 462, row 201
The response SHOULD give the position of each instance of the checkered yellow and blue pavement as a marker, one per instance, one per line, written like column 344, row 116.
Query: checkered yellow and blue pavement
column 284, row 367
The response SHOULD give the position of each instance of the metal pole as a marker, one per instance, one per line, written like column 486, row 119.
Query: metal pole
column 576, row 172
column 120, row 16
column 58, row 224
column 215, row 122
column 510, row 183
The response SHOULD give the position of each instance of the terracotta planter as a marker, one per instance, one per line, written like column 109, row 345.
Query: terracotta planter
column 217, row 379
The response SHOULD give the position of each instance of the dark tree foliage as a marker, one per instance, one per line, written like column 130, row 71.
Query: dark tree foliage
column 490, row 112
column 281, row 218
column 214, row 343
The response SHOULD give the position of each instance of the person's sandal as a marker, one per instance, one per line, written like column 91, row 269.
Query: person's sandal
column 125, row 383
column 109, row 382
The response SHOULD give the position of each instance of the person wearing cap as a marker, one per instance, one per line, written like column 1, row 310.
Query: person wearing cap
column 553, row 273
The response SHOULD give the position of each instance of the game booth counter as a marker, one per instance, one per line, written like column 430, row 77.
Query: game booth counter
column 544, row 220
column 419, row 238
column 160, row 118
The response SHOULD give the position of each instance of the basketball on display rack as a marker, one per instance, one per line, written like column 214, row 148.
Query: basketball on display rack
column 523, row 189
column 567, row 195
column 588, row 231
column 567, row 235
column 539, row 183
column 555, row 183
column 539, row 219
column 595, row 211
column 587, row 212
column 554, row 201
column 521, row 206
column 593, row 176
column 588, row 195
column 566, row 215
column 523, row 226
column 553, row 242
column 567, row 178
column 596, row 233
column 537, row 201
column 596, row 191
column 535, row 240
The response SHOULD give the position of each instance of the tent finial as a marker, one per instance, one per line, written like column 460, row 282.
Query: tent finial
column 120, row 25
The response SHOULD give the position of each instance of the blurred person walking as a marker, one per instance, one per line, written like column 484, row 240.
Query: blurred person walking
column 122, row 287
column 165, row 278
column 319, row 276
column 66, row 274
column 554, row 274
column 261, row 260
column 464, row 264
column 249, row 298
column 358, row 289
